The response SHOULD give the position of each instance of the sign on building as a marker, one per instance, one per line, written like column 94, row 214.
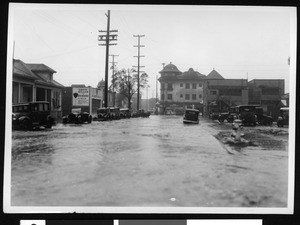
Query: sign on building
column 81, row 96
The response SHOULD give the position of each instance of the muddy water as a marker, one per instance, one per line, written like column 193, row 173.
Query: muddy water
column 156, row 161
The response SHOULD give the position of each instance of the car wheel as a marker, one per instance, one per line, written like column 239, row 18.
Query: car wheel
column 26, row 124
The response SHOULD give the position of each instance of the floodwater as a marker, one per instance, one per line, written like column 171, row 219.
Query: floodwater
column 156, row 161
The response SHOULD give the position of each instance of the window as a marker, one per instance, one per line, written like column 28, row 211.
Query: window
column 187, row 86
column 194, row 86
column 193, row 96
column 200, row 96
column 181, row 96
column 181, row 84
column 187, row 97
column 200, row 84
column 169, row 96
column 169, row 87
column 213, row 92
column 41, row 107
column 162, row 97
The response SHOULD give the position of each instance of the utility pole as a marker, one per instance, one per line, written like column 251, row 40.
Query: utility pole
column 156, row 90
column 138, row 66
column 113, row 77
column 107, row 38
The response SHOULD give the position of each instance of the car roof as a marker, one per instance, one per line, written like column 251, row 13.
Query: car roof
column 284, row 108
column 20, row 104
column 192, row 110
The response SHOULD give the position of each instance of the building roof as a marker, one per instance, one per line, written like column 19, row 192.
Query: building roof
column 170, row 68
column 214, row 75
column 191, row 74
column 20, row 68
column 101, row 83
column 24, row 70
column 40, row 68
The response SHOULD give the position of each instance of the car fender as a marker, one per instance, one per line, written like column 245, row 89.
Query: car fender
column 22, row 118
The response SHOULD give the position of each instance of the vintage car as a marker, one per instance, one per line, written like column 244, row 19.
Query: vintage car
column 115, row 113
column 103, row 114
column 246, row 113
column 125, row 113
column 28, row 116
column 77, row 117
column 261, row 118
column 283, row 119
column 214, row 115
column 191, row 116
column 228, row 116
column 140, row 113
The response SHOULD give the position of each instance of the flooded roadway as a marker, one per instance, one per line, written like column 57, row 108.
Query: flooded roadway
column 156, row 161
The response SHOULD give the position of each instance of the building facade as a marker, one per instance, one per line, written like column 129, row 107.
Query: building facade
column 267, row 93
column 34, row 82
column 212, row 93
column 80, row 97
column 221, row 94
column 180, row 90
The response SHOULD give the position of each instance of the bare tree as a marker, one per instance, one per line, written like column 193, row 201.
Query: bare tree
column 126, row 82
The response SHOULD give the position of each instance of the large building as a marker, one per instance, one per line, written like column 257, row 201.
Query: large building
column 221, row 94
column 214, row 93
column 180, row 90
column 267, row 93
column 34, row 82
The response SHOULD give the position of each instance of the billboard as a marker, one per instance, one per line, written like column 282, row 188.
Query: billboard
column 80, row 96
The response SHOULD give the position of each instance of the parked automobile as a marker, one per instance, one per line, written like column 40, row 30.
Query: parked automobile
column 191, row 116
column 103, row 114
column 261, row 118
column 140, row 113
column 77, row 117
column 283, row 119
column 115, row 113
column 246, row 113
column 125, row 113
column 27, row 116
column 214, row 115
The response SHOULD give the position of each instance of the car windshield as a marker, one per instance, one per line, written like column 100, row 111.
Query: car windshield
column 21, row 108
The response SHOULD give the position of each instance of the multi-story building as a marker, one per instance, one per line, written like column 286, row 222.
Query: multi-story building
column 267, row 93
column 221, row 94
column 180, row 90
column 34, row 82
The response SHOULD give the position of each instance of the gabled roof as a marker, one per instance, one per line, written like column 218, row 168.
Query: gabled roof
column 24, row 70
column 40, row 68
column 214, row 75
column 20, row 68
column 191, row 74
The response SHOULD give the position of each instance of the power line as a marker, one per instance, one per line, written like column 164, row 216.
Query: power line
column 138, row 66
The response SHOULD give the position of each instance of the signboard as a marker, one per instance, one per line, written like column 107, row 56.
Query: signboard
column 80, row 96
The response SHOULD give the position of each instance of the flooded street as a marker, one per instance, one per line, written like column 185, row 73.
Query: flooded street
column 156, row 161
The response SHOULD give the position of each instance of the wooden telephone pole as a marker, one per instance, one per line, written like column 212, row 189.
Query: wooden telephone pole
column 138, row 67
column 107, row 38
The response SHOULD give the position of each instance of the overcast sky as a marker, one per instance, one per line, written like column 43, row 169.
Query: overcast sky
column 239, row 42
